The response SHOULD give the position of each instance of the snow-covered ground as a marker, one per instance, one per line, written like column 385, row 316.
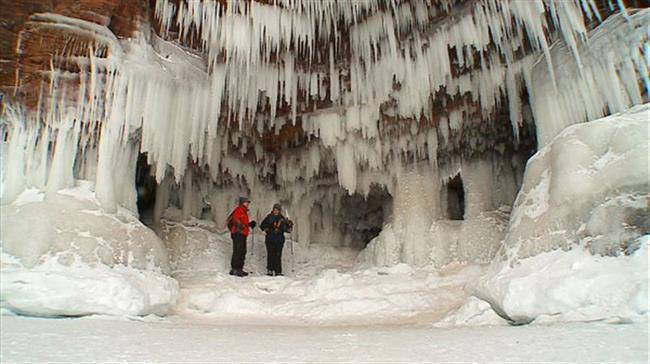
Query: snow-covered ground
column 82, row 340
column 378, row 295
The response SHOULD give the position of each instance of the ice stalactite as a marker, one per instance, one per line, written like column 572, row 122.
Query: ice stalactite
column 13, row 178
column 606, row 81
column 246, row 35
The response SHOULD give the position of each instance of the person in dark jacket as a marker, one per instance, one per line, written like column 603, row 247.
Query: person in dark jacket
column 275, row 225
column 239, row 227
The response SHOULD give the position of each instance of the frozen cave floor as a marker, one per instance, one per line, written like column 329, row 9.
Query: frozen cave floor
column 323, row 285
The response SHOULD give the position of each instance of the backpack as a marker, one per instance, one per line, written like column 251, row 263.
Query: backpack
column 230, row 224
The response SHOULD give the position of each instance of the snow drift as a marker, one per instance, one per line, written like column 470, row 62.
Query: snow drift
column 387, row 295
column 570, row 286
column 322, row 285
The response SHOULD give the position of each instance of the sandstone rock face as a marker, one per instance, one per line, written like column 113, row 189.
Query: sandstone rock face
column 34, row 32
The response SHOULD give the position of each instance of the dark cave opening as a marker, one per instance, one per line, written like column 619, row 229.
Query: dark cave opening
column 455, row 198
column 145, row 184
column 363, row 218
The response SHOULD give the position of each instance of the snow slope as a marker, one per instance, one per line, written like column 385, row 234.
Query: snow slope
column 397, row 294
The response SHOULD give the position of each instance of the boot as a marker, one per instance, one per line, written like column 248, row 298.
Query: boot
column 233, row 272
column 241, row 273
column 270, row 273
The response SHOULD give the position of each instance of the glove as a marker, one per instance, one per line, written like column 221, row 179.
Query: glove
column 290, row 223
column 252, row 224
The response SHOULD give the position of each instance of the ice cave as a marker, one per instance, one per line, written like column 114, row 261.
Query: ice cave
column 457, row 164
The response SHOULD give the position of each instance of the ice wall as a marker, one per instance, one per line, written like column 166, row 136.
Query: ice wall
column 421, row 233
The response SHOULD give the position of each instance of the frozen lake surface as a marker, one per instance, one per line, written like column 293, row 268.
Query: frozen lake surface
column 180, row 340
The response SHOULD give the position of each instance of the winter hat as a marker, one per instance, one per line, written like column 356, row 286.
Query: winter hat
column 278, row 207
column 243, row 199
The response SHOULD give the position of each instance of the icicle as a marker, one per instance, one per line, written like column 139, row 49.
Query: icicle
column 608, row 81
column 514, row 103
column 334, row 77
column 13, row 158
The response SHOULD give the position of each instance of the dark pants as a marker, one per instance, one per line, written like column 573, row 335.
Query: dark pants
column 238, row 251
column 274, row 256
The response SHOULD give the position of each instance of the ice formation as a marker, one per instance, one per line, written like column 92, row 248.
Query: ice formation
column 72, row 225
column 613, row 75
column 577, row 243
column 570, row 286
column 589, row 185
column 55, row 289
column 414, row 118
column 198, row 113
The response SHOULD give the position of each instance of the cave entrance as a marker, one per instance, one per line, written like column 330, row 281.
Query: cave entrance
column 145, row 186
column 363, row 218
column 355, row 222
column 455, row 198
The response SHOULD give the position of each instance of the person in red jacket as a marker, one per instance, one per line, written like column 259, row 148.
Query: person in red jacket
column 239, row 227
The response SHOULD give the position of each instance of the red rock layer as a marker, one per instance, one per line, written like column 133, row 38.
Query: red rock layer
column 29, row 42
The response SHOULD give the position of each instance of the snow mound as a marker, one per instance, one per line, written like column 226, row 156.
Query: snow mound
column 475, row 312
column 576, row 248
column 63, row 255
column 71, row 222
column 589, row 185
column 79, row 289
column 571, row 286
